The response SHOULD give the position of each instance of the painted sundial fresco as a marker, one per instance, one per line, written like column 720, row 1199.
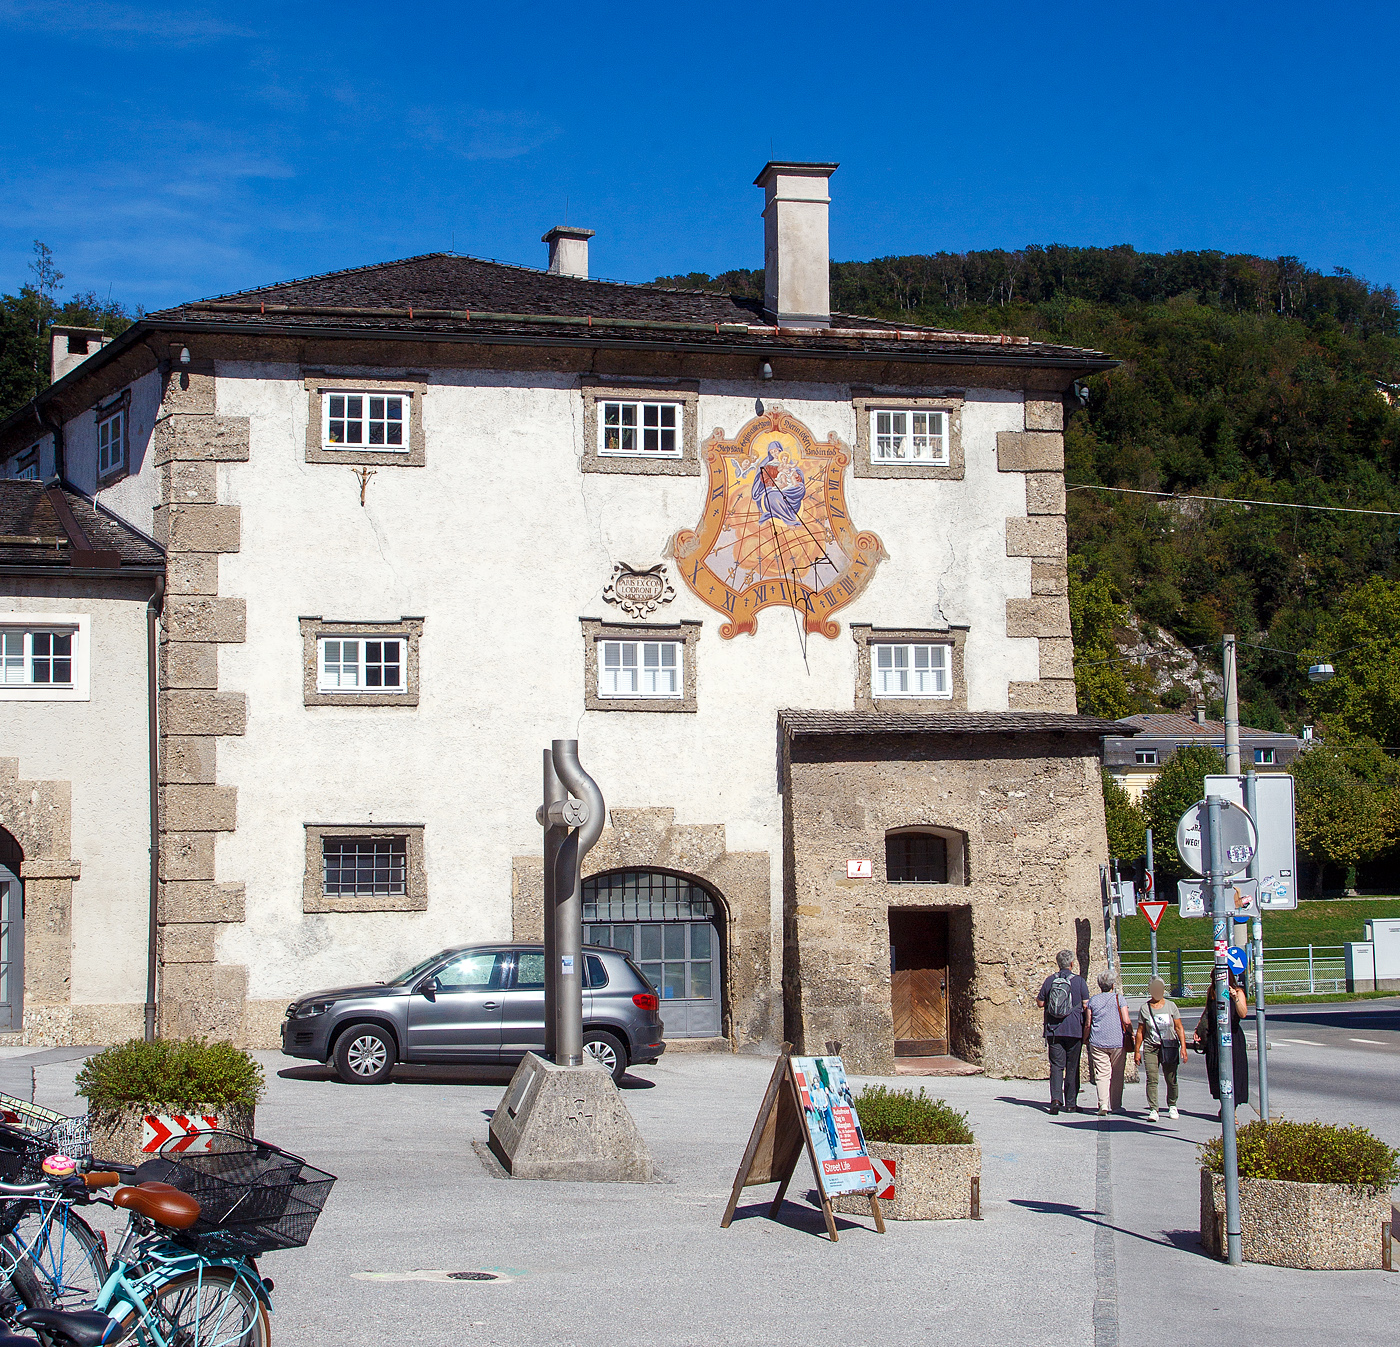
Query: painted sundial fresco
column 776, row 531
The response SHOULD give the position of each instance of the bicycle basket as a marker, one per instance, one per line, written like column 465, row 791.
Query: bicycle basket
column 253, row 1196
column 37, row 1132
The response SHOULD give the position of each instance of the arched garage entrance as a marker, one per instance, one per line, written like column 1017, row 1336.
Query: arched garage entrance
column 11, row 935
column 672, row 928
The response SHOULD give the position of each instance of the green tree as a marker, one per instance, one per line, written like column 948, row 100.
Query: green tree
column 1361, row 637
column 1347, row 805
column 1094, row 612
column 1127, row 824
column 1180, row 784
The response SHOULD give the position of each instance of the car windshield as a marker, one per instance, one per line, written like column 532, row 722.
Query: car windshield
column 417, row 971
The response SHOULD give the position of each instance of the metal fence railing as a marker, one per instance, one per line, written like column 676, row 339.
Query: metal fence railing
column 1295, row 970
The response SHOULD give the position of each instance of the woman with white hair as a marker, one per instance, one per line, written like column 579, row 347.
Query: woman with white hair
column 1161, row 1042
column 1105, row 1023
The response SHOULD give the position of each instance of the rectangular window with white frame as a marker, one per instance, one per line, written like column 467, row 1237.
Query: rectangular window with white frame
column 111, row 442
column 360, row 664
column 640, row 429
column 909, row 436
column 641, row 669
column 911, row 671
column 1264, row 757
column 1145, row 757
column 365, row 420
column 44, row 657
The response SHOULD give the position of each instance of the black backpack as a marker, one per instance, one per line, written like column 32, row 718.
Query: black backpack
column 1060, row 1002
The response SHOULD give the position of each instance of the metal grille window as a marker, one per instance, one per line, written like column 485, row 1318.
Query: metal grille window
column 911, row 671
column 363, row 866
column 916, row 858
column 640, row 669
column 361, row 665
column 640, row 429
column 665, row 923
column 37, row 658
column 909, row 437
column 111, row 442
column 356, row 420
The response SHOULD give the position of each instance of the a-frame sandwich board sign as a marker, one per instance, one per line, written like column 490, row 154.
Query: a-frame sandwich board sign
column 780, row 1136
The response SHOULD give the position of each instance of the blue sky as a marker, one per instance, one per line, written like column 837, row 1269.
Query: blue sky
column 169, row 152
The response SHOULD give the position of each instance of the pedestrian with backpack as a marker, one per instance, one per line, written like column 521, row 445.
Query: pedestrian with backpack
column 1062, row 995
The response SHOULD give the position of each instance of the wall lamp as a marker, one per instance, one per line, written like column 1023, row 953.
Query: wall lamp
column 765, row 371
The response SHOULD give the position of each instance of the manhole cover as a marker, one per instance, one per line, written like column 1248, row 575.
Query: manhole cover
column 473, row 1277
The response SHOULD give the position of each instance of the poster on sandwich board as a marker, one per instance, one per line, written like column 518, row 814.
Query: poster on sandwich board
column 832, row 1126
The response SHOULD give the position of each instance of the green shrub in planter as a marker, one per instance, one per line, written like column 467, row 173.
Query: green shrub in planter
column 169, row 1073
column 1297, row 1152
column 909, row 1119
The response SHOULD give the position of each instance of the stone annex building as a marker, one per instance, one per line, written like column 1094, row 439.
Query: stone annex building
column 794, row 579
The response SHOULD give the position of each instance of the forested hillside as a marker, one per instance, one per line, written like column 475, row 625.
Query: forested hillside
column 1242, row 376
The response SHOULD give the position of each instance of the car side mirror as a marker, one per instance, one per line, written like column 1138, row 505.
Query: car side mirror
column 429, row 988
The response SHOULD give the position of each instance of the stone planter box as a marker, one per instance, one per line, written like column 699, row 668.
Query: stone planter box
column 931, row 1183
column 1302, row 1225
column 119, row 1138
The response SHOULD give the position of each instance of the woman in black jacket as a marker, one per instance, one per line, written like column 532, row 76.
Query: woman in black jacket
column 1205, row 1035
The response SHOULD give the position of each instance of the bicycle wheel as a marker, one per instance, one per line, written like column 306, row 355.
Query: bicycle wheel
column 18, row 1282
column 215, row 1308
column 65, row 1255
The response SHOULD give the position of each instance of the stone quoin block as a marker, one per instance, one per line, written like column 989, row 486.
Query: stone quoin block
column 1045, row 493
column 203, row 999
column 206, row 619
column 1030, row 451
column 186, row 856
column 200, row 901
column 1049, row 577
column 191, row 573
column 189, row 760
column 1047, row 414
column 203, row 528
column 1037, row 617
column 204, row 712
column 186, row 392
column 187, row 942
column 203, row 809
column 1056, row 657
column 213, row 439
column 1041, row 536
column 184, row 483
column 189, row 664
column 1050, row 694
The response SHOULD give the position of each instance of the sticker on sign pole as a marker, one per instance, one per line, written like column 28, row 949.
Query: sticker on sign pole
column 1153, row 910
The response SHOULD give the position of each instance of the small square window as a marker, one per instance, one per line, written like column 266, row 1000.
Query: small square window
column 365, row 866
column 1145, row 757
column 909, row 436
column 111, row 442
column 1263, row 757
column 640, row 669
column 353, row 420
column 911, row 671
column 360, row 665
column 640, row 430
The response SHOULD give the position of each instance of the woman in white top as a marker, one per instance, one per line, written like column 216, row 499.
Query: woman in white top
column 1161, row 1040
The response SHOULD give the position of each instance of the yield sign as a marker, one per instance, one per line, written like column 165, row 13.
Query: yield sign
column 1153, row 912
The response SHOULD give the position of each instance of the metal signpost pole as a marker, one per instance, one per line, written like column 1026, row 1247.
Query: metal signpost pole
column 1152, row 880
column 1224, row 1040
column 584, row 817
column 1261, row 1028
column 1232, row 709
column 1115, row 957
column 554, row 794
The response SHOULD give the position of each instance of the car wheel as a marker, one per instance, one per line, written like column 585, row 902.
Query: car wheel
column 364, row 1055
column 606, row 1049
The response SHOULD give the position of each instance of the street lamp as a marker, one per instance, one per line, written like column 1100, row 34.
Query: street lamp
column 1320, row 673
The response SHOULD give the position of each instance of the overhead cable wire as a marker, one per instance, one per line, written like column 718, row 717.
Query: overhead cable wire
column 1228, row 500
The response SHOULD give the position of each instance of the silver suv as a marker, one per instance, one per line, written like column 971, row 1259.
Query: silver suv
column 473, row 1003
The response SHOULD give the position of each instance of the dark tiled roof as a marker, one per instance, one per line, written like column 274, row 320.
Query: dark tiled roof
column 446, row 294
column 945, row 722
column 33, row 531
column 1174, row 725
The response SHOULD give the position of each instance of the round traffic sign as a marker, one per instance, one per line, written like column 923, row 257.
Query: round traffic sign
column 1237, row 958
column 1238, row 837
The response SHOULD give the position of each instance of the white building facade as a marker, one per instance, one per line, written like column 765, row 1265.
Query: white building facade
column 794, row 580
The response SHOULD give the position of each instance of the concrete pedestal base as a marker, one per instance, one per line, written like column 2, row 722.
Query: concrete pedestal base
column 567, row 1122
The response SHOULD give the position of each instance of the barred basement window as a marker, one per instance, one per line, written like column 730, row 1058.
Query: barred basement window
column 916, row 858
column 365, row 866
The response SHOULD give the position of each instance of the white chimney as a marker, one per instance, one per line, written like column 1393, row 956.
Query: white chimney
column 568, row 250
column 796, row 254
column 71, row 346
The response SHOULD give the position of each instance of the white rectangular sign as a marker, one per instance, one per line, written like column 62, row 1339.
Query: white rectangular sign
column 1193, row 897
column 1276, row 822
column 859, row 869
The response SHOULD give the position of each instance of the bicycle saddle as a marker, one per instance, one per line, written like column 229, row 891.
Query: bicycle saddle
column 83, row 1328
column 162, row 1203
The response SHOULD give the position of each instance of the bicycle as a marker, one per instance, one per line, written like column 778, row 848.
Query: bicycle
column 185, row 1273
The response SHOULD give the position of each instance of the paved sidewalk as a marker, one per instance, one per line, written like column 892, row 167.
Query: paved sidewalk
column 1088, row 1236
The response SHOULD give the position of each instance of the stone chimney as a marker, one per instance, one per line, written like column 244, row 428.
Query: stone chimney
column 72, row 345
column 568, row 250
column 1200, row 713
column 796, row 254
